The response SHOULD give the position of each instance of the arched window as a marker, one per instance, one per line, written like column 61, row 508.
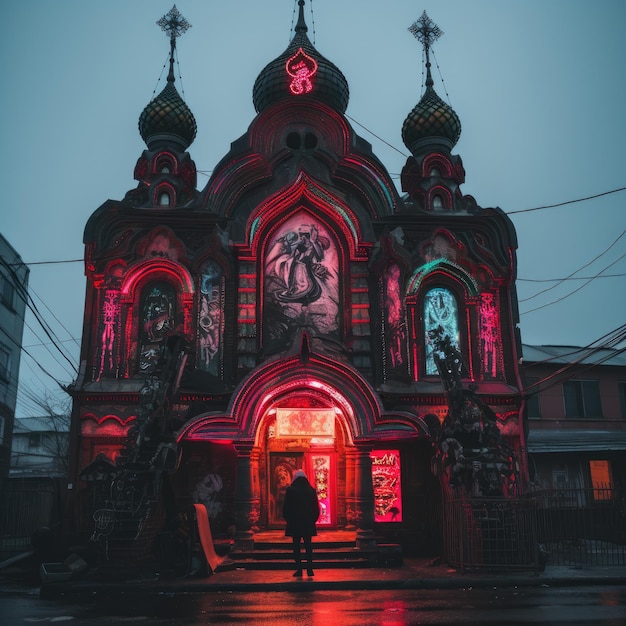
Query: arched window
column 437, row 203
column 440, row 309
column 158, row 311
column 164, row 199
column 394, row 323
column 210, row 318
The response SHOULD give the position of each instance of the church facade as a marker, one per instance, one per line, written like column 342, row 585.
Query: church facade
column 286, row 317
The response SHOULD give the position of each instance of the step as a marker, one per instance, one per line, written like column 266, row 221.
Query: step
column 289, row 563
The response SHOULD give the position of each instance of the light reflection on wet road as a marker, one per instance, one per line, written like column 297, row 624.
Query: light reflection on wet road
column 602, row 606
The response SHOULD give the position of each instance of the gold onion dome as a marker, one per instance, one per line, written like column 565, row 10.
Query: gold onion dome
column 432, row 124
column 301, row 71
column 167, row 119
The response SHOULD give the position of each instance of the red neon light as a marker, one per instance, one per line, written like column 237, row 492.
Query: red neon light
column 387, row 485
column 301, row 67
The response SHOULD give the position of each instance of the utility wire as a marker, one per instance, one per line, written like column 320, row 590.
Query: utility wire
column 576, row 271
column 611, row 339
column 543, row 306
column 552, row 206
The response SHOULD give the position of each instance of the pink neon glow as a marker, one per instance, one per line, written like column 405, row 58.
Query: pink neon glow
column 489, row 333
column 301, row 67
column 387, row 485
column 322, row 483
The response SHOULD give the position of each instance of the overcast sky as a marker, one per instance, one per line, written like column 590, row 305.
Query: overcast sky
column 539, row 86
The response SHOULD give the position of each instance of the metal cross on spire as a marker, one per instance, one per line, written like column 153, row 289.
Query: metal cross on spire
column 174, row 24
column 425, row 31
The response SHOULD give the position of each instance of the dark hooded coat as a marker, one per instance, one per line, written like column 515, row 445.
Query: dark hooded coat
column 301, row 509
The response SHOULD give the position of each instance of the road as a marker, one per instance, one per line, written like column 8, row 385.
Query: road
column 573, row 606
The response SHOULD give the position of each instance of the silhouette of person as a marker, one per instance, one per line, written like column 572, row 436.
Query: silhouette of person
column 301, row 510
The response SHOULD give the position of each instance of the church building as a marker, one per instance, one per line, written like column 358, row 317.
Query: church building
column 292, row 314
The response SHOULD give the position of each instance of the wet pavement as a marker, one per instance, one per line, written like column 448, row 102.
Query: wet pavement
column 412, row 574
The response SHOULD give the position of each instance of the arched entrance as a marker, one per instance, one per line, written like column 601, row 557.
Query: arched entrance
column 310, row 411
column 304, row 430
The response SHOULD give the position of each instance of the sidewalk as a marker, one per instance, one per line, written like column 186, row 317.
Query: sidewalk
column 413, row 574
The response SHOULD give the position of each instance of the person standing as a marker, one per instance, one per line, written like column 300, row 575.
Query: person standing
column 301, row 511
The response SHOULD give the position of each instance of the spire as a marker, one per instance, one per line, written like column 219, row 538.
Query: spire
column 167, row 119
column 426, row 32
column 301, row 26
column 432, row 124
column 174, row 25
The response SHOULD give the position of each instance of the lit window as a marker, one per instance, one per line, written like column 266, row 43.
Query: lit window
column 582, row 398
column 601, row 480
column 440, row 309
column 437, row 203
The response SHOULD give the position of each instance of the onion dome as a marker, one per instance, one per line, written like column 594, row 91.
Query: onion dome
column 167, row 120
column 432, row 124
column 301, row 72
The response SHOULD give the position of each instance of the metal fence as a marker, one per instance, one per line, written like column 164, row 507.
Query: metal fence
column 574, row 527
column 27, row 506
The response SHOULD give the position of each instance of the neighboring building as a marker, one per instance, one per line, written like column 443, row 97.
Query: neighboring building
column 13, row 294
column 294, row 297
column 576, row 407
column 40, row 446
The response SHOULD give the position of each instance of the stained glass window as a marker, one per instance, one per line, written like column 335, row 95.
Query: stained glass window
column 440, row 309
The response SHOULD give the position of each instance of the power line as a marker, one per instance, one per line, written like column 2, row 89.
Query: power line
column 543, row 306
column 552, row 206
column 578, row 270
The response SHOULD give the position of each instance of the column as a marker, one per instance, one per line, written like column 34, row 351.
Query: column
column 244, row 536
column 364, row 497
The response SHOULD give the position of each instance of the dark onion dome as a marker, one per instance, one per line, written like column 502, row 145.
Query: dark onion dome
column 432, row 124
column 301, row 71
column 168, row 119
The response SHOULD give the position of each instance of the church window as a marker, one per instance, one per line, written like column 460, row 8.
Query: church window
column 164, row 199
column 395, row 325
column 210, row 318
column 440, row 310
column 437, row 203
column 435, row 171
column 158, row 309
column 165, row 169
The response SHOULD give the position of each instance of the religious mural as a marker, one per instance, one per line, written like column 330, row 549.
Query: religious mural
column 395, row 320
column 210, row 319
column 301, row 280
column 157, row 319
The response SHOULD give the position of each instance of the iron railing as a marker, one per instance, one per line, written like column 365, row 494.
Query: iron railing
column 573, row 527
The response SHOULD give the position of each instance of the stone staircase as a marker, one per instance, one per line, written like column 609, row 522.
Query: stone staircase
column 331, row 550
